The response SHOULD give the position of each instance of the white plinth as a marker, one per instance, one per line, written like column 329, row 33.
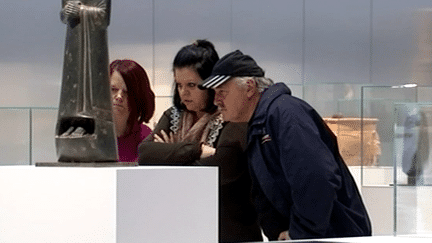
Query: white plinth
column 131, row 204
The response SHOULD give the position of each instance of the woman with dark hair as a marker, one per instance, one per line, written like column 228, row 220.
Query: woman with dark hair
column 133, row 103
column 192, row 132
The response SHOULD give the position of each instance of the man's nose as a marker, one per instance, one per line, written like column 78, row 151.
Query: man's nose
column 217, row 100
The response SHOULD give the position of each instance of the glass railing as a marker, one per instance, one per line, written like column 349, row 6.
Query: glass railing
column 27, row 135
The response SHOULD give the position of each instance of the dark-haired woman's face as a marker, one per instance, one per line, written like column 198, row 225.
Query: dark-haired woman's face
column 187, row 80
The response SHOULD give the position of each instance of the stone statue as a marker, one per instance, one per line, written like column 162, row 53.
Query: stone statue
column 85, row 128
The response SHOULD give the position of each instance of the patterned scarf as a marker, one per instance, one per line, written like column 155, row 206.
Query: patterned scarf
column 205, row 130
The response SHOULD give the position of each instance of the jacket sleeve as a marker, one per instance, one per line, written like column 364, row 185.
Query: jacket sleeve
column 154, row 153
column 308, row 166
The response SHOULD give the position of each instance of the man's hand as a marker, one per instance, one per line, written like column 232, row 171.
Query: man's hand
column 284, row 235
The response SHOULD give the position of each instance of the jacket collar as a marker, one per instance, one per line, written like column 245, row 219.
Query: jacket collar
column 267, row 97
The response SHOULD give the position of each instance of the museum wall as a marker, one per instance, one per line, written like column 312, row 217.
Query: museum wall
column 306, row 44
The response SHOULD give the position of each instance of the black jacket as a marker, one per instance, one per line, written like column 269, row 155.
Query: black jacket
column 300, row 181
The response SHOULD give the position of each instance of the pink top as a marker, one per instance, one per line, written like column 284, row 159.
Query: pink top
column 128, row 145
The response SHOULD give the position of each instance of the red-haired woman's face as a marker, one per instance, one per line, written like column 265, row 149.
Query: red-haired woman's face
column 119, row 94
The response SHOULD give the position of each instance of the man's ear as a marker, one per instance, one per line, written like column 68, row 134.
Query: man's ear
column 251, row 87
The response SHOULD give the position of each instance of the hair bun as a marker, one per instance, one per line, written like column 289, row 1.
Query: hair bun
column 204, row 44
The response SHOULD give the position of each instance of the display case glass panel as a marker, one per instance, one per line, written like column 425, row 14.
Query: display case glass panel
column 27, row 135
column 361, row 115
column 413, row 168
column 14, row 132
column 340, row 106
column 378, row 102
column 43, row 122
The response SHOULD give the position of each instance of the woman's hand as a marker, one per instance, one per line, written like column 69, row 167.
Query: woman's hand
column 207, row 151
column 165, row 137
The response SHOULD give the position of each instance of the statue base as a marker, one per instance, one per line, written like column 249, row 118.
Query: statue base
column 86, row 164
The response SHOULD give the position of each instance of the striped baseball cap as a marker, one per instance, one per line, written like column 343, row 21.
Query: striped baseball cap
column 234, row 64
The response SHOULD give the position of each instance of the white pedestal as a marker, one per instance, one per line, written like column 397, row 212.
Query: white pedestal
column 130, row 204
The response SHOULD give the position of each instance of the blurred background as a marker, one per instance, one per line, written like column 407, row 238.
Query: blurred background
column 322, row 49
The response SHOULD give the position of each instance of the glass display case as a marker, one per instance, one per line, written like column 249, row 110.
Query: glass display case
column 355, row 115
column 363, row 118
column 379, row 102
column 413, row 168
column 361, row 115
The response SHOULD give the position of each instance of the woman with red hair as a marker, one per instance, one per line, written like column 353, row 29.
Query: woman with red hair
column 133, row 104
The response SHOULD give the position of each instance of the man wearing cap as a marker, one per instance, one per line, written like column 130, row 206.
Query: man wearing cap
column 302, row 188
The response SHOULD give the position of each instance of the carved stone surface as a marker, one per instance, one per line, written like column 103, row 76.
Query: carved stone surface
column 85, row 128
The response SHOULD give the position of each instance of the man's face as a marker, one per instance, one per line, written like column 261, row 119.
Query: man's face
column 231, row 100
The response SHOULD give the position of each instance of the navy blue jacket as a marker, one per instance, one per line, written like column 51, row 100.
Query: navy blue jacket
column 300, row 181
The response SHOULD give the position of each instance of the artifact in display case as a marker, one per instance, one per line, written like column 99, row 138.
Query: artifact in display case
column 413, row 133
column 349, row 136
